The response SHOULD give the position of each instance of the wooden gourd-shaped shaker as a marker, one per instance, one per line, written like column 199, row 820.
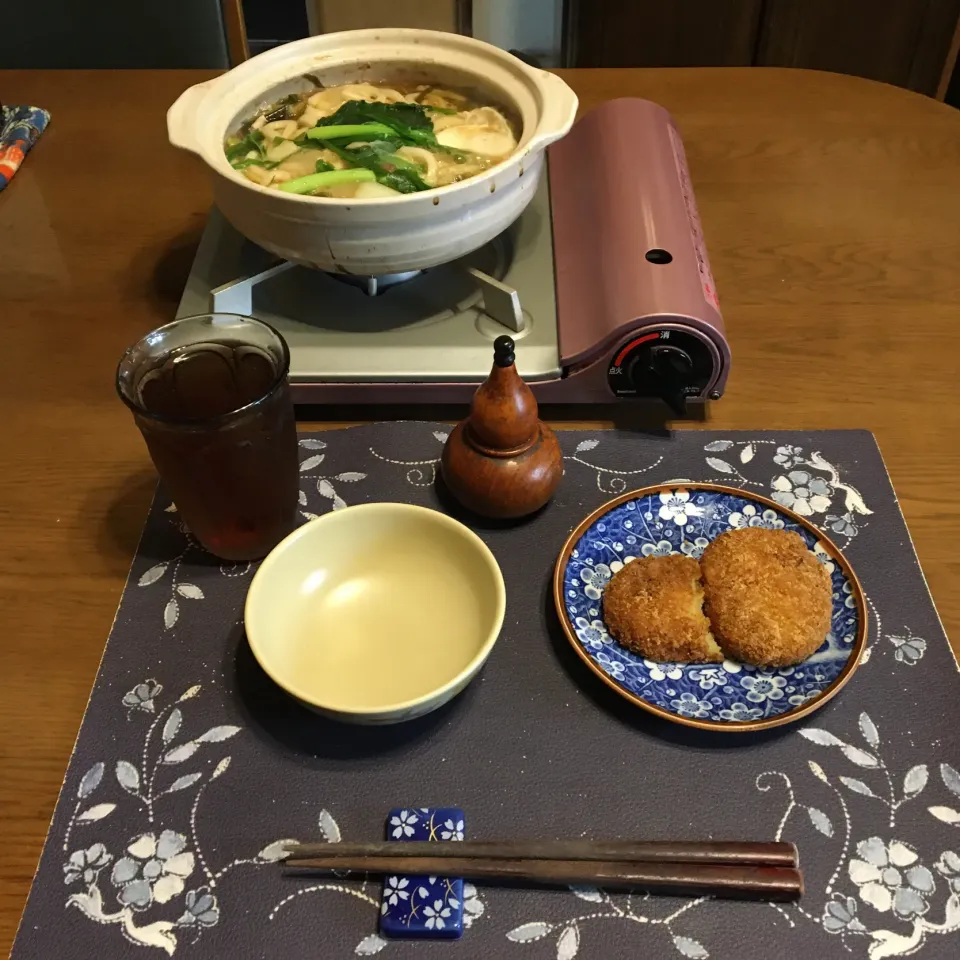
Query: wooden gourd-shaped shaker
column 501, row 461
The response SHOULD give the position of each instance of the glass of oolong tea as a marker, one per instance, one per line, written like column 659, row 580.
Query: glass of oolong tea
column 210, row 396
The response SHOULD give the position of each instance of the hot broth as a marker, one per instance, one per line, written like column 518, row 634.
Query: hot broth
column 365, row 140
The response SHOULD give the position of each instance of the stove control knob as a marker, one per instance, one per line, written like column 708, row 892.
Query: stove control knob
column 663, row 370
column 674, row 365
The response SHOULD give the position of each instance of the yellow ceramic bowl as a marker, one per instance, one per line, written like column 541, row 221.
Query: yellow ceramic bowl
column 376, row 613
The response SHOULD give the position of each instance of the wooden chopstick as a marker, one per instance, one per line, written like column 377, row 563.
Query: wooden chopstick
column 729, row 881
column 744, row 853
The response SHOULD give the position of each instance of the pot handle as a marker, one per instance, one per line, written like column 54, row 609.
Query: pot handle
column 559, row 109
column 182, row 117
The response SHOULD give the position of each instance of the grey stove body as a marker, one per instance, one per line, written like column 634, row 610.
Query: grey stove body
column 436, row 326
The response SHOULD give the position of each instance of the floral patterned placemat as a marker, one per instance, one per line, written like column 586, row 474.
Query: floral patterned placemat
column 191, row 768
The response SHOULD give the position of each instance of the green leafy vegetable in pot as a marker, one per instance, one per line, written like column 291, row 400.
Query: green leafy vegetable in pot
column 390, row 169
column 329, row 178
column 237, row 148
column 352, row 131
column 409, row 121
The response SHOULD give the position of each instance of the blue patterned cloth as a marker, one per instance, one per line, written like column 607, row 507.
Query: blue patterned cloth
column 20, row 128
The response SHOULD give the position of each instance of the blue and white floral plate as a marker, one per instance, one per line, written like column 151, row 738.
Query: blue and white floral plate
column 728, row 696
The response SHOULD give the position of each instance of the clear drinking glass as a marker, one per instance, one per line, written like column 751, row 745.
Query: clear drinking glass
column 210, row 396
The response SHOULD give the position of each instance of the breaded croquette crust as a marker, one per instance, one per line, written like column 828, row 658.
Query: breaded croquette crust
column 768, row 598
column 654, row 607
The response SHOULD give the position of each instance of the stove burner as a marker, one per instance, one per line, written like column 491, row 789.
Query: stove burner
column 372, row 286
column 418, row 297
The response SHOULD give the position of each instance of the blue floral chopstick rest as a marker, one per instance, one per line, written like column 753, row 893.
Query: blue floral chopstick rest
column 423, row 908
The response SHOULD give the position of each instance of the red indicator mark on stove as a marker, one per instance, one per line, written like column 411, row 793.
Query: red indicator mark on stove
column 633, row 343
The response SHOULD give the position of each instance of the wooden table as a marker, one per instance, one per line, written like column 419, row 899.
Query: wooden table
column 831, row 207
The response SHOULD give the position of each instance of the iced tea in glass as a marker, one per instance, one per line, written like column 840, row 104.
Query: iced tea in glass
column 210, row 396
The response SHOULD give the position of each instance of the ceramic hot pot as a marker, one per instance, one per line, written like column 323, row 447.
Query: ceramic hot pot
column 382, row 235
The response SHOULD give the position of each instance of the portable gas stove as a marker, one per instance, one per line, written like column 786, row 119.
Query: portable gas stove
column 603, row 281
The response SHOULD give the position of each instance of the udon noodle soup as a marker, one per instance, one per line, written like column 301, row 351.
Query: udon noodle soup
column 365, row 140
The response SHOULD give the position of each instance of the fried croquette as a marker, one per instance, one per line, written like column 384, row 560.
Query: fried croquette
column 767, row 596
column 654, row 607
